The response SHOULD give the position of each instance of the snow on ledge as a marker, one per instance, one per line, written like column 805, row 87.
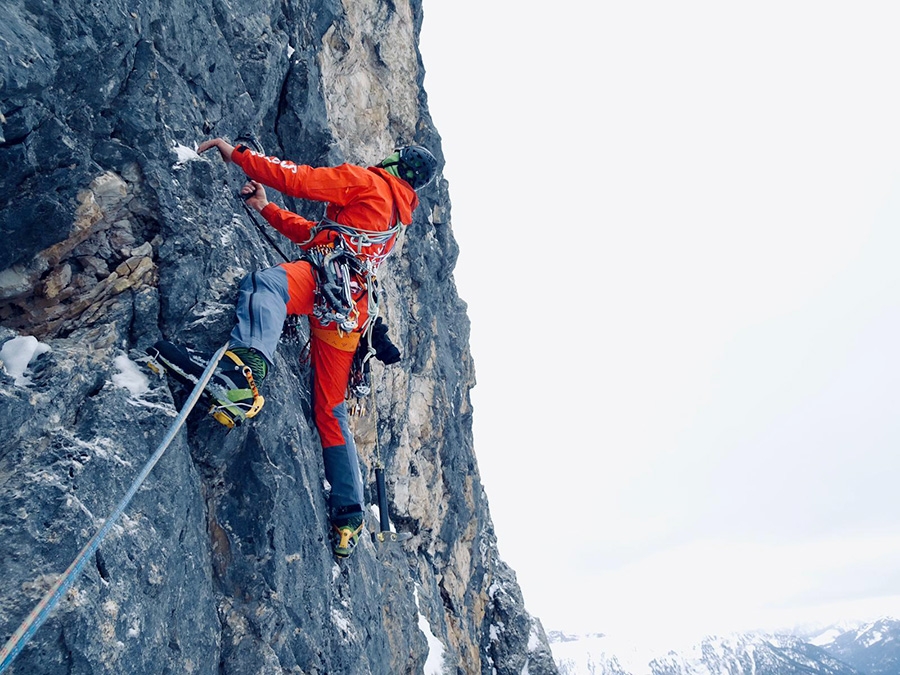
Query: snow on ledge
column 130, row 377
column 184, row 154
column 18, row 353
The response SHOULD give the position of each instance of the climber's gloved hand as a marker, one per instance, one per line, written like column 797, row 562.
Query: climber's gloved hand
column 385, row 350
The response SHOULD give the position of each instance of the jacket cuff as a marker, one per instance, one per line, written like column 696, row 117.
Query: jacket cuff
column 238, row 155
column 270, row 210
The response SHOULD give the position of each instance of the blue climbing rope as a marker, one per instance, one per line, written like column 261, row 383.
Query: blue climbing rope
column 42, row 610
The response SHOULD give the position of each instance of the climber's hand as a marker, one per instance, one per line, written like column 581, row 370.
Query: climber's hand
column 385, row 350
column 224, row 147
column 254, row 194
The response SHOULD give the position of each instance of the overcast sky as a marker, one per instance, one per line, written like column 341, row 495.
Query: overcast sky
column 679, row 234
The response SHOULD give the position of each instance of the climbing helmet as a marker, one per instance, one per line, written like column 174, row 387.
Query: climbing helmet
column 414, row 164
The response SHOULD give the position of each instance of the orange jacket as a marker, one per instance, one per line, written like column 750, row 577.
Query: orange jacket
column 363, row 198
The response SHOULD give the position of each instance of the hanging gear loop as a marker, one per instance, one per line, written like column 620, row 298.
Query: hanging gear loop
column 339, row 266
column 42, row 610
column 340, row 276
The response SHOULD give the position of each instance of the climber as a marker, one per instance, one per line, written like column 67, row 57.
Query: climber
column 333, row 284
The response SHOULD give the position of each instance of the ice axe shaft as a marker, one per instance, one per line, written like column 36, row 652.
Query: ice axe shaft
column 384, row 522
column 384, row 533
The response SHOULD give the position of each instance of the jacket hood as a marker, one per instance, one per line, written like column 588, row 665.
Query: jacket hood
column 405, row 197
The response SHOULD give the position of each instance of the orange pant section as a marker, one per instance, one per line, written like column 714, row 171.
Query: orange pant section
column 330, row 364
column 301, row 287
column 331, row 370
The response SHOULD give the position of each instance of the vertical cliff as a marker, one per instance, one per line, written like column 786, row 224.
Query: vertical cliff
column 116, row 234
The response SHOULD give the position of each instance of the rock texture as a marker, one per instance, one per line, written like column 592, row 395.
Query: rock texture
column 115, row 234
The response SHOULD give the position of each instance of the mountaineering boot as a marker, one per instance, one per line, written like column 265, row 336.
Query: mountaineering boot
column 184, row 365
column 232, row 391
column 346, row 535
column 234, row 386
column 253, row 358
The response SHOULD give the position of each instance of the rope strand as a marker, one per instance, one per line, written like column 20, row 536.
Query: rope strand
column 42, row 610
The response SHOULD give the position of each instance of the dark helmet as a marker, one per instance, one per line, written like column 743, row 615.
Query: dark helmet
column 415, row 164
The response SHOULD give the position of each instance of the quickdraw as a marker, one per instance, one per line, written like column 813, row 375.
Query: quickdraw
column 342, row 275
column 359, row 384
column 339, row 274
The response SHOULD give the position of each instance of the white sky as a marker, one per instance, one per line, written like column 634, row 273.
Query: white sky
column 679, row 232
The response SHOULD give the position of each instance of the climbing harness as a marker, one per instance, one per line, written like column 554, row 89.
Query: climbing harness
column 339, row 276
column 42, row 610
column 359, row 238
column 342, row 275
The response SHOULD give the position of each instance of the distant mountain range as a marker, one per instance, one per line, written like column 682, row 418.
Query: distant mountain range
column 869, row 649
column 872, row 649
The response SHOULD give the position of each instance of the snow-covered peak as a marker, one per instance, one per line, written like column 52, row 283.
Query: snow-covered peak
column 873, row 649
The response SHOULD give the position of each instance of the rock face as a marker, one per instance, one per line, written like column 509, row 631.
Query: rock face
column 116, row 234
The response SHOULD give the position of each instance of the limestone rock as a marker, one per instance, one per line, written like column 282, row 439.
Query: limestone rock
column 115, row 234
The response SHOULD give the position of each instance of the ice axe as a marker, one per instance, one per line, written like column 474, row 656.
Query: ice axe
column 384, row 533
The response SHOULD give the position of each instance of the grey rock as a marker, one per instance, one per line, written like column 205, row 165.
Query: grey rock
column 221, row 564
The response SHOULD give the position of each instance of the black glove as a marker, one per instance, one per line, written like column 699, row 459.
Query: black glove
column 385, row 351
